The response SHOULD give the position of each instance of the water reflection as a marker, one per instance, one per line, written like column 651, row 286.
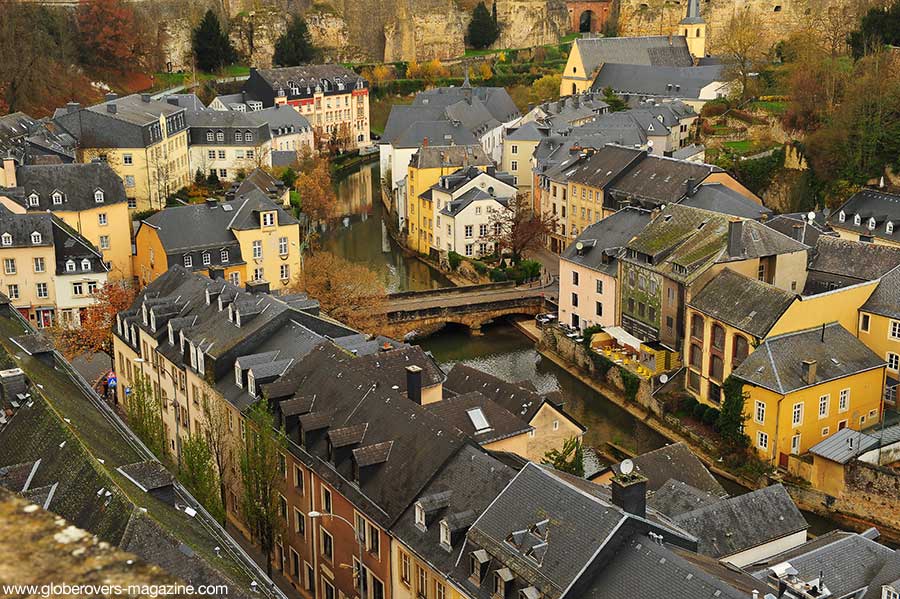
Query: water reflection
column 360, row 235
column 506, row 353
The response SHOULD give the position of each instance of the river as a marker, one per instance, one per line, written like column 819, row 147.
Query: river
column 361, row 237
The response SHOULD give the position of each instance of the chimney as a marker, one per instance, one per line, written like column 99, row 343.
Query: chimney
column 111, row 96
column 629, row 492
column 72, row 107
column 808, row 367
column 414, row 383
column 211, row 202
column 691, row 187
column 257, row 286
column 145, row 98
column 797, row 232
column 424, row 142
column 735, row 232
column 111, row 108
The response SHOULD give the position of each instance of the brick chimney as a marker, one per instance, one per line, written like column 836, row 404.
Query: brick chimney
column 808, row 367
column 414, row 383
column 629, row 492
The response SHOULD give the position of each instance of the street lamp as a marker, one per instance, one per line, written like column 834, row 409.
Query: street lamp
column 316, row 514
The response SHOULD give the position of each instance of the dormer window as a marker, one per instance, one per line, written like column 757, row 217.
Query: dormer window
column 478, row 561
column 192, row 350
column 181, row 341
column 857, row 219
column 220, row 136
column 268, row 219
column 6, row 239
column 871, row 223
column 889, row 592
column 238, row 376
column 33, row 200
column 248, row 136
column 171, row 334
column 206, row 259
column 201, row 365
column 85, row 264
column 98, row 196
column 144, row 317
column 251, row 384
column 210, row 136
column 188, row 262
column 70, row 266
column 842, row 216
column 36, row 238
column 889, row 228
column 420, row 516
column 223, row 256
column 153, row 321
column 238, row 136
column 445, row 534
column 502, row 577
column 57, row 198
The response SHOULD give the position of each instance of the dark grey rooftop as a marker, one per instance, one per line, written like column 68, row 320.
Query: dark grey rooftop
column 500, row 423
column 77, row 182
column 885, row 300
column 658, row 81
column 436, row 156
column 675, row 497
column 855, row 259
column 658, row 50
column 602, row 241
column 844, row 445
column 777, row 364
column 749, row 305
column 875, row 204
column 719, row 198
column 677, row 461
column 515, row 399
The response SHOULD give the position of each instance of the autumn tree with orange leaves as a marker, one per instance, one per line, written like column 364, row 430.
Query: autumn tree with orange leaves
column 318, row 201
column 106, row 32
column 347, row 292
column 95, row 333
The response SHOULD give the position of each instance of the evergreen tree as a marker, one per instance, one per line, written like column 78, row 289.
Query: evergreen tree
column 483, row 29
column 568, row 459
column 295, row 45
column 732, row 417
column 879, row 27
column 212, row 48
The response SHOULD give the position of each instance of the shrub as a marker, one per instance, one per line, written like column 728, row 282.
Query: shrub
column 588, row 333
column 498, row 275
column 480, row 267
column 687, row 404
column 714, row 108
column 711, row 416
column 698, row 412
column 631, row 383
column 454, row 259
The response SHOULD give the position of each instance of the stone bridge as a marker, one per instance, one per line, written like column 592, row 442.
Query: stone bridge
column 421, row 313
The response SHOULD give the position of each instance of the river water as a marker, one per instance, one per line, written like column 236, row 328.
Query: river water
column 361, row 237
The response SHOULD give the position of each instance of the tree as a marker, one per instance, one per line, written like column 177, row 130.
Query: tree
column 381, row 74
column 318, row 202
column 483, row 29
column 879, row 27
column 144, row 413
column 106, row 30
column 95, row 333
column 349, row 293
column 219, row 441
column 518, row 228
column 198, row 474
column 732, row 416
column 212, row 48
column 434, row 70
column 484, row 69
column 413, row 70
column 262, row 455
column 616, row 104
column 295, row 46
column 546, row 88
column 570, row 458
column 741, row 47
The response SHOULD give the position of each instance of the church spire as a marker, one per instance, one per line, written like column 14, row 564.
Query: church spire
column 466, row 82
column 693, row 13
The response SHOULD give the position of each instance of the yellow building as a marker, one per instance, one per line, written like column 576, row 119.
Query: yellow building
column 91, row 199
column 145, row 142
column 693, row 28
column 801, row 387
column 879, row 329
column 426, row 167
column 870, row 215
column 248, row 239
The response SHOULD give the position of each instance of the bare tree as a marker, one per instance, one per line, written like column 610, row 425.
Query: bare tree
column 219, row 440
column 518, row 228
column 741, row 47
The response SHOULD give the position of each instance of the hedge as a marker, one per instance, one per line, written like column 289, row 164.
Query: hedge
column 601, row 363
column 630, row 382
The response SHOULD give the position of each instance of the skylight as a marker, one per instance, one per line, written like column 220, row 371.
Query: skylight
column 479, row 421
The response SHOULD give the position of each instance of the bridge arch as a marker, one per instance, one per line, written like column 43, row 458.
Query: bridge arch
column 586, row 21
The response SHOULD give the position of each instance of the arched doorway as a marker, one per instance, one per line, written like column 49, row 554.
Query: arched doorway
column 586, row 21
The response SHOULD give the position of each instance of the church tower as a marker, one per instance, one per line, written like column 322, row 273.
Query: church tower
column 693, row 28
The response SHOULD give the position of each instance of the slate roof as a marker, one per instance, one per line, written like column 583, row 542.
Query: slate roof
column 743, row 522
column 515, row 399
column 870, row 203
column 280, row 119
column 473, row 479
column 502, row 424
column 309, row 75
column 530, row 131
column 675, row 460
column 809, row 234
column 606, row 238
column 777, row 363
column 149, row 475
column 33, row 343
column 657, row 50
column 749, row 305
column 189, row 101
column 441, row 131
column 659, row 81
column 858, row 260
column 603, row 166
column 656, row 180
column 94, row 126
column 884, row 300
column 454, row 207
column 77, row 182
column 496, row 100
column 675, row 497
column 261, row 180
column 719, row 198
column 844, row 445
column 434, row 156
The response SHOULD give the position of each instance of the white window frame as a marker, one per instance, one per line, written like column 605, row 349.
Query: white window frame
column 188, row 261
column 844, row 400
column 99, row 196
column 759, row 413
column 6, row 239
column 797, row 414
column 268, row 219
column 824, row 401
column 36, row 238
column 894, row 330
column 893, row 361
column 762, row 440
column 257, row 250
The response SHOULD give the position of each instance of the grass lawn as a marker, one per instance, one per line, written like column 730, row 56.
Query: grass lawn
column 746, row 147
column 776, row 108
column 163, row 81
column 380, row 108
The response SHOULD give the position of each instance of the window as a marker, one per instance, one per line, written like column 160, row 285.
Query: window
column 864, row 323
column 762, row 440
column 12, row 291
column 599, row 286
column 6, row 239
column 482, row 230
column 223, row 173
column 235, row 279
column 740, row 350
column 445, row 533
column 211, row 154
column 257, row 250
column 716, row 367
column 42, row 290
column 404, row 568
column 220, row 136
column 39, row 265
column 696, row 356
column 825, row 431
column 514, row 149
column 206, row 259
column 468, row 230
column 299, row 522
column 598, row 308
column 9, row 266
column 328, row 589
column 258, row 274
column 70, row 266
column 57, row 198
column 697, row 327
column 248, row 136
column 514, row 165
column 326, row 500
column 574, row 278
column 440, row 591
column 797, row 414
column 92, row 287
column 282, row 507
column 33, row 200
column 421, row 582
column 85, row 264
column 238, row 136
column 101, row 219
column 760, row 412
column 718, row 337
column 895, row 329
column 574, row 300
column 823, row 405
column 469, row 249
column 268, row 219
column 127, row 159
column 327, row 547
column 98, row 196
column 129, row 182
column 223, row 256
column 893, row 361
column 188, row 262
column 890, row 593
column 210, row 136
column 282, row 246
column 844, row 400
column 36, row 238
column 285, row 272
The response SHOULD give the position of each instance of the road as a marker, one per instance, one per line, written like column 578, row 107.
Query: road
column 457, row 299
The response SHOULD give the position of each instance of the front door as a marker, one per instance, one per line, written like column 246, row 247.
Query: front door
column 575, row 321
column 795, row 444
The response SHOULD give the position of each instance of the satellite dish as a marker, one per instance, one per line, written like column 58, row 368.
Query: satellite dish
column 664, row 378
column 579, row 246
column 626, row 467
column 811, row 216
column 650, row 141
